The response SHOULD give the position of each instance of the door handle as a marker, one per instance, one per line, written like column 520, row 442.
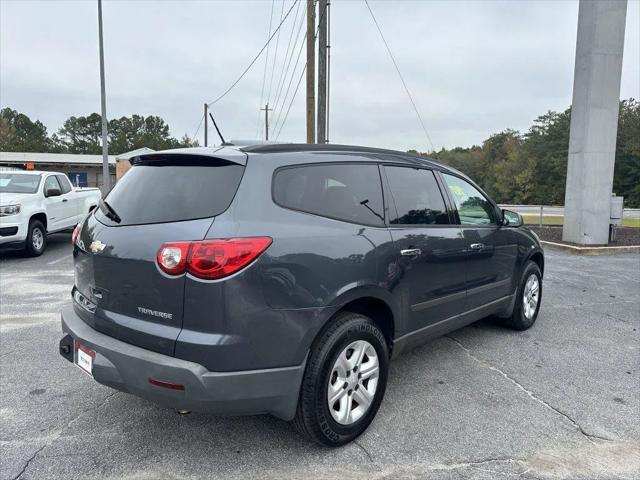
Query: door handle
column 477, row 246
column 410, row 252
column 64, row 200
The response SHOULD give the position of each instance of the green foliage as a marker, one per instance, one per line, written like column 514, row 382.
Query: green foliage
column 626, row 177
column 84, row 134
column 531, row 168
column 130, row 133
column 19, row 134
column 527, row 168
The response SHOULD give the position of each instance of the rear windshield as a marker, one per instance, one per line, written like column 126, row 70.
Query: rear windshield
column 173, row 190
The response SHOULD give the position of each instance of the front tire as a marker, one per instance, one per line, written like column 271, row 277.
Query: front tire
column 528, row 299
column 344, row 381
column 36, row 240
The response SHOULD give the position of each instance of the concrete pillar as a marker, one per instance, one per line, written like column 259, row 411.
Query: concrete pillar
column 594, row 120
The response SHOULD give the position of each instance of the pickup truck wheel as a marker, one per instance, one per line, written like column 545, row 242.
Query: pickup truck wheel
column 344, row 381
column 36, row 238
column 528, row 299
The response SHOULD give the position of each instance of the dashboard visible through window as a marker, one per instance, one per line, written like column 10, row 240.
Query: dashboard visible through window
column 473, row 207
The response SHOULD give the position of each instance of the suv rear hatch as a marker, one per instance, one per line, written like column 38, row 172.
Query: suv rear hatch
column 164, row 197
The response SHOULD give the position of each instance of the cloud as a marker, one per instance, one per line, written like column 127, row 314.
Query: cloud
column 474, row 68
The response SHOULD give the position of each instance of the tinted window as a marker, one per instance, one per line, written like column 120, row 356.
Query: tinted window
column 473, row 207
column 183, row 188
column 417, row 197
column 64, row 183
column 349, row 192
column 19, row 183
column 51, row 183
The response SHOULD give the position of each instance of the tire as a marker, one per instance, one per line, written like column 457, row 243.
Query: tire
column 314, row 419
column 523, row 317
column 36, row 240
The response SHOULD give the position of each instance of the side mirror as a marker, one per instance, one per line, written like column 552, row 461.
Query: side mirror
column 511, row 219
column 52, row 192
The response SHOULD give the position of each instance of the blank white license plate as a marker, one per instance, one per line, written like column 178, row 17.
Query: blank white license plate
column 84, row 358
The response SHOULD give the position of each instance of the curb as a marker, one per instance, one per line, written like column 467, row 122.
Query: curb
column 593, row 251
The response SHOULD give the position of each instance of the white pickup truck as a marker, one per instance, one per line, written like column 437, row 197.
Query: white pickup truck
column 34, row 204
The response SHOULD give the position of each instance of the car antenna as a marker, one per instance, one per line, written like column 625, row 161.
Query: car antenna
column 218, row 130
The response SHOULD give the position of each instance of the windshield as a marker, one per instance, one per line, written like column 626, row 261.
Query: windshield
column 19, row 183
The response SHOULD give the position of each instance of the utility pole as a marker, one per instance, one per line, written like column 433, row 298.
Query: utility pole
column 311, row 72
column 322, row 72
column 266, row 110
column 106, row 178
column 328, row 71
column 594, row 121
column 206, row 125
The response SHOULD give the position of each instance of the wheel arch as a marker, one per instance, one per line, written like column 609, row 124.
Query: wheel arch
column 375, row 303
column 41, row 216
column 537, row 257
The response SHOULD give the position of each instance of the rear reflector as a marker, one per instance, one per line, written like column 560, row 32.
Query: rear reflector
column 76, row 234
column 169, row 385
column 211, row 259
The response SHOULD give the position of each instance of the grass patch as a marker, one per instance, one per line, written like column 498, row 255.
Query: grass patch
column 532, row 219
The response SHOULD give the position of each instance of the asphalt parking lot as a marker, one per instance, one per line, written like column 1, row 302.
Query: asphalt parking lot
column 559, row 401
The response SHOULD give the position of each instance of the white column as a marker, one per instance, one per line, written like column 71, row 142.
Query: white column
column 594, row 120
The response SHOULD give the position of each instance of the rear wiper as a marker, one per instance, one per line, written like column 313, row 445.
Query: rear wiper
column 109, row 211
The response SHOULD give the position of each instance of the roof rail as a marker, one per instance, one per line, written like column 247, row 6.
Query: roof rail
column 329, row 147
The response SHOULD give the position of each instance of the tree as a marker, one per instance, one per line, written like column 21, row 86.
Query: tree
column 19, row 134
column 82, row 134
column 546, row 148
column 532, row 168
column 626, row 178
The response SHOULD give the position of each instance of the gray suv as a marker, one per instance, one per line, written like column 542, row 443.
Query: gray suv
column 281, row 279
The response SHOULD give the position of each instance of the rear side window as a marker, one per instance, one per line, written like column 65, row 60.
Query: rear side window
column 173, row 189
column 417, row 196
column 349, row 192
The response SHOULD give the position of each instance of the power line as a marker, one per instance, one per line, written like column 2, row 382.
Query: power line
column 280, row 109
column 293, row 73
column 295, row 93
column 254, row 59
column 266, row 62
column 292, row 99
column 287, row 63
column 198, row 129
column 400, row 75
column 275, row 56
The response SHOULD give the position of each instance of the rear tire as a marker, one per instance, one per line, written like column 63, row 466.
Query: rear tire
column 349, row 361
column 528, row 299
column 36, row 240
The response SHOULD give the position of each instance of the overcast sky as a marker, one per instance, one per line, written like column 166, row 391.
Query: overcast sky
column 474, row 68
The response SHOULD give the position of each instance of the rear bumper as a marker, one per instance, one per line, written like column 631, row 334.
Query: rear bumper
column 128, row 368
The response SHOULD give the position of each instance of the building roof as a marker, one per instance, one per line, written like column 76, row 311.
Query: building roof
column 54, row 158
column 134, row 153
column 66, row 158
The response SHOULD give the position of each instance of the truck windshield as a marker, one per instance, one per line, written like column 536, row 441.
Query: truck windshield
column 19, row 183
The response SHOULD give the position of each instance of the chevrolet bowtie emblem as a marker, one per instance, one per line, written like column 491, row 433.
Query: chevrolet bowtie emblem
column 96, row 246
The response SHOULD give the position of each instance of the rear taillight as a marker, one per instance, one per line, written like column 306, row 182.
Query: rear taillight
column 76, row 234
column 210, row 259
